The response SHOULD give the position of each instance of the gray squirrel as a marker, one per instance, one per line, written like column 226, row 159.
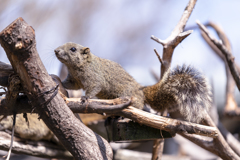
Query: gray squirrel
column 182, row 88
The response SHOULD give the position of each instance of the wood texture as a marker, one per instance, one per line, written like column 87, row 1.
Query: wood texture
column 18, row 41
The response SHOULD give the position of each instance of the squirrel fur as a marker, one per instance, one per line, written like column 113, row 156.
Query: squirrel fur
column 100, row 77
column 183, row 88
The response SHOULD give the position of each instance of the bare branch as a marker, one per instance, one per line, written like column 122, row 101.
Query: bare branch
column 91, row 106
column 231, row 104
column 170, row 125
column 217, row 146
column 39, row 149
column 175, row 38
column 228, row 55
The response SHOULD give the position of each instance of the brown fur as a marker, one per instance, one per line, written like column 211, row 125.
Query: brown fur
column 183, row 89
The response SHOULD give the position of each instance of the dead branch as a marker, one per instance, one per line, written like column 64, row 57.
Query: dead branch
column 231, row 108
column 170, row 125
column 217, row 145
column 39, row 149
column 176, row 37
column 39, row 87
column 228, row 55
column 77, row 105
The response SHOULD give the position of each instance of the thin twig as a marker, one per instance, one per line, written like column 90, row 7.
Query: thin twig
column 159, row 58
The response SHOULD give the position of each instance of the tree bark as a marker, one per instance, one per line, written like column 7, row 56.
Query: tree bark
column 18, row 41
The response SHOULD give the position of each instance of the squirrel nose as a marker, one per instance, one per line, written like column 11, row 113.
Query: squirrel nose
column 56, row 51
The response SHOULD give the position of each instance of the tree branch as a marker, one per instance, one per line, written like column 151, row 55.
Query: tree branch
column 92, row 106
column 227, row 53
column 231, row 108
column 217, row 146
column 39, row 149
column 18, row 41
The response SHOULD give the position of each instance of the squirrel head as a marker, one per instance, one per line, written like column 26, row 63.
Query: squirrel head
column 72, row 54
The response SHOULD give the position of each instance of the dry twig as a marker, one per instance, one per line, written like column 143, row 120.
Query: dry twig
column 227, row 53
column 231, row 108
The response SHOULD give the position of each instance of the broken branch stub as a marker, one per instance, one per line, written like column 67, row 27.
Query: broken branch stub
column 18, row 41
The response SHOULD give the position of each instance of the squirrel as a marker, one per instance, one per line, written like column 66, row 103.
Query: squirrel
column 183, row 88
column 100, row 77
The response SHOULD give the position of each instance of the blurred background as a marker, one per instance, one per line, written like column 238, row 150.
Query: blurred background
column 120, row 30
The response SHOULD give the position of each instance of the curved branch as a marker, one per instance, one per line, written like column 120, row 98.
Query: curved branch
column 227, row 53
column 231, row 109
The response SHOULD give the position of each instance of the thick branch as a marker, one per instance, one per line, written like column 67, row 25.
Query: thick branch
column 228, row 55
column 18, row 41
column 170, row 125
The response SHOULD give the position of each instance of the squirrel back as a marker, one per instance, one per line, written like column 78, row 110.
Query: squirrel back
column 183, row 89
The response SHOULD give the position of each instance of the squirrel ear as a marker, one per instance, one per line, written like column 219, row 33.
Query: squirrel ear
column 86, row 50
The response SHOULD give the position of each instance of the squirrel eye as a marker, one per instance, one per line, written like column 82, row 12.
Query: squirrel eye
column 73, row 49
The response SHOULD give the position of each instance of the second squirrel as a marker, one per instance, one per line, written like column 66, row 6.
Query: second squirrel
column 183, row 89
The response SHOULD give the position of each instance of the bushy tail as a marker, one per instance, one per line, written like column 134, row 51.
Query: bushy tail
column 191, row 91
